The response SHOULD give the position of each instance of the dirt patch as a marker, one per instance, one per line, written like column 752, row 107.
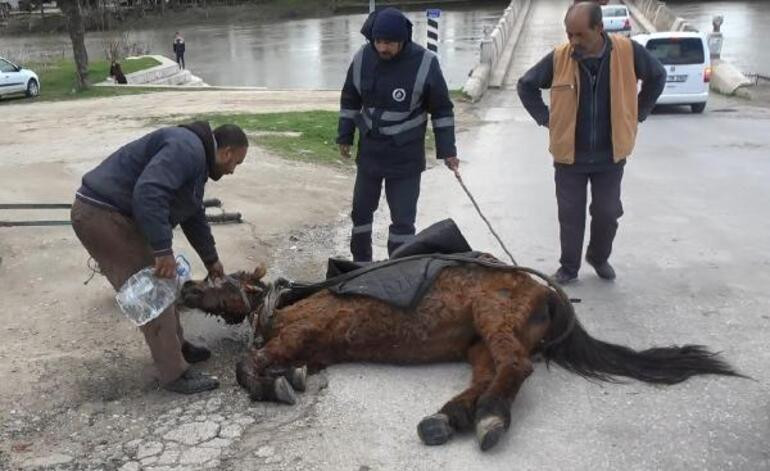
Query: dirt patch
column 71, row 365
column 77, row 389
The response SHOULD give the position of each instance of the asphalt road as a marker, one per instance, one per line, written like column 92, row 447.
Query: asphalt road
column 693, row 262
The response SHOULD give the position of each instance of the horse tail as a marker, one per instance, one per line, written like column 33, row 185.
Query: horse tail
column 576, row 351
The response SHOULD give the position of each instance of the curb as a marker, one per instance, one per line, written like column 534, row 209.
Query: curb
column 481, row 75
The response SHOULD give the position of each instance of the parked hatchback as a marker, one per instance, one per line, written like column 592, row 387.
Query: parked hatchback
column 15, row 79
column 616, row 19
column 685, row 55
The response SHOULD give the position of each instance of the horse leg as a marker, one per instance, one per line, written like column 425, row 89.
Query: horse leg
column 498, row 322
column 457, row 414
column 268, row 373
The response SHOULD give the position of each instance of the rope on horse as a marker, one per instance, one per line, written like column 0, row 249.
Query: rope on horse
column 484, row 218
column 555, row 286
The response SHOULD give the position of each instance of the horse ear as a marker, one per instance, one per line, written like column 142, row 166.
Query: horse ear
column 260, row 271
column 253, row 289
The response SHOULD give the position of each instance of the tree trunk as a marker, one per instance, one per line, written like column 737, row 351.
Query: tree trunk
column 77, row 31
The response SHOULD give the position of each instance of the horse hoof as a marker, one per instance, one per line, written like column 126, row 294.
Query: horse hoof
column 488, row 431
column 435, row 429
column 298, row 378
column 284, row 392
column 241, row 374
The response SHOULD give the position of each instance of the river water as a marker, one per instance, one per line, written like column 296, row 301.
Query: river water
column 746, row 29
column 297, row 54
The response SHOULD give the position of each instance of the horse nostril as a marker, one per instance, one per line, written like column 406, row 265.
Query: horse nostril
column 191, row 290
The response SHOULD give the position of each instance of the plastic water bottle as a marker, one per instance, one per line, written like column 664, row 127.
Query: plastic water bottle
column 183, row 271
column 143, row 297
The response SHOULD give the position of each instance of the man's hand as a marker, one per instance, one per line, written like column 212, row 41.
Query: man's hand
column 453, row 163
column 216, row 270
column 345, row 150
column 165, row 266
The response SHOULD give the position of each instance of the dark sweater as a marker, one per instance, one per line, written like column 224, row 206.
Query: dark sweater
column 159, row 181
column 387, row 87
column 593, row 133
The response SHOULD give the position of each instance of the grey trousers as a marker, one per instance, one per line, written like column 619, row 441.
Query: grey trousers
column 606, row 208
column 401, row 193
column 116, row 244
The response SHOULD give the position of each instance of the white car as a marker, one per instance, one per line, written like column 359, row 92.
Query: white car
column 687, row 60
column 616, row 19
column 15, row 79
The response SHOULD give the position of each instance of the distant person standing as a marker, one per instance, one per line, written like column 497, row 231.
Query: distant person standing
column 179, row 48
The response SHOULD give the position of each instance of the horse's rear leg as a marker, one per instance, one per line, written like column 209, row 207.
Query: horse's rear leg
column 508, row 329
column 457, row 414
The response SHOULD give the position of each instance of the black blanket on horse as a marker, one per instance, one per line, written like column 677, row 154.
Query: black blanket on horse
column 401, row 281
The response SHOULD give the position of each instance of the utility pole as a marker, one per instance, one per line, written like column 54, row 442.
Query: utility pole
column 371, row 6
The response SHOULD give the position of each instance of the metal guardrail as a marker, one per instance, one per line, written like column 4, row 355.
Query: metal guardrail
column 222, row 218
column 756, row 78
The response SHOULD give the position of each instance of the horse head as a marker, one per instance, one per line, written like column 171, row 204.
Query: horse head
column 232, row 298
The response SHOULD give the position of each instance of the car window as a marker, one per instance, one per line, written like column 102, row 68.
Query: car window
column 614, row 12
column 6, row 66
column 677, row 51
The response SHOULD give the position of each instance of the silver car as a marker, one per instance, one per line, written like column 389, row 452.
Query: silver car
column 616, row 19
column 15, row 79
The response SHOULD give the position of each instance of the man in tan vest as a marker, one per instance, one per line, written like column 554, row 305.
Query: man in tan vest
column 592, row 119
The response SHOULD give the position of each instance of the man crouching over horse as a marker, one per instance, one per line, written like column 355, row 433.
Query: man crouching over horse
column 476, row 309
column 126, row 209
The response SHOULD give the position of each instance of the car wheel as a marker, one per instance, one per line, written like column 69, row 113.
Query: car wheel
column 698, row 107
column 32, row 88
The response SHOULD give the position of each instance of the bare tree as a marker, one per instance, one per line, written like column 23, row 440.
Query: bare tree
column 76, row 27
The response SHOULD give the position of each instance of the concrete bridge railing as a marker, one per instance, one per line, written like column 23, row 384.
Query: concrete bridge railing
column 493, row 48
column 661, row 17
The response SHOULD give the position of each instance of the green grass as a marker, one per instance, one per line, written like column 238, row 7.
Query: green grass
column 315, row 142
column 307, row 136
column 58, row 80
column 458, row 95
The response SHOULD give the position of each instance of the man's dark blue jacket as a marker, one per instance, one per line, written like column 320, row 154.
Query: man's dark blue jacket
column 389, row 102
column 158, row 181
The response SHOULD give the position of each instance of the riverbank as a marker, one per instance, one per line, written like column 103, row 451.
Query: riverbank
column 59, row 81
column 272, row 10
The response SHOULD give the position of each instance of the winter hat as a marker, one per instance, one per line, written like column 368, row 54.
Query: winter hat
column 391, row 25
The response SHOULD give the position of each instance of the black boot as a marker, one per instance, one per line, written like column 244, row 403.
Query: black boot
column 195, row 354
column 192, row 382
column 604, row 270
column 563, row 277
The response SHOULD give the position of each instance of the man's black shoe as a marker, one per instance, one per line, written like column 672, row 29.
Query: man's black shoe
column 195, row 354
column 604, row 270
column 192, row 382
column 563, row 277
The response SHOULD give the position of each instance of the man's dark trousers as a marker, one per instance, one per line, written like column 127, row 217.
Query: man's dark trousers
column 401, row 193
column 605, row 209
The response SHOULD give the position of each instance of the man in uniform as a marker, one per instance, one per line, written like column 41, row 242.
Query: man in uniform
column 392, row 86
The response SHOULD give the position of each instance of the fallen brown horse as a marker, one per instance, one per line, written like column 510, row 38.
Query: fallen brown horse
column 493, row 318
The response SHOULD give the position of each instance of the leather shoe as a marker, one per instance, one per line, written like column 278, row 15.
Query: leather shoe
column 563, row 277
column 195, row 354
column 604, row 270
column 192, row 382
